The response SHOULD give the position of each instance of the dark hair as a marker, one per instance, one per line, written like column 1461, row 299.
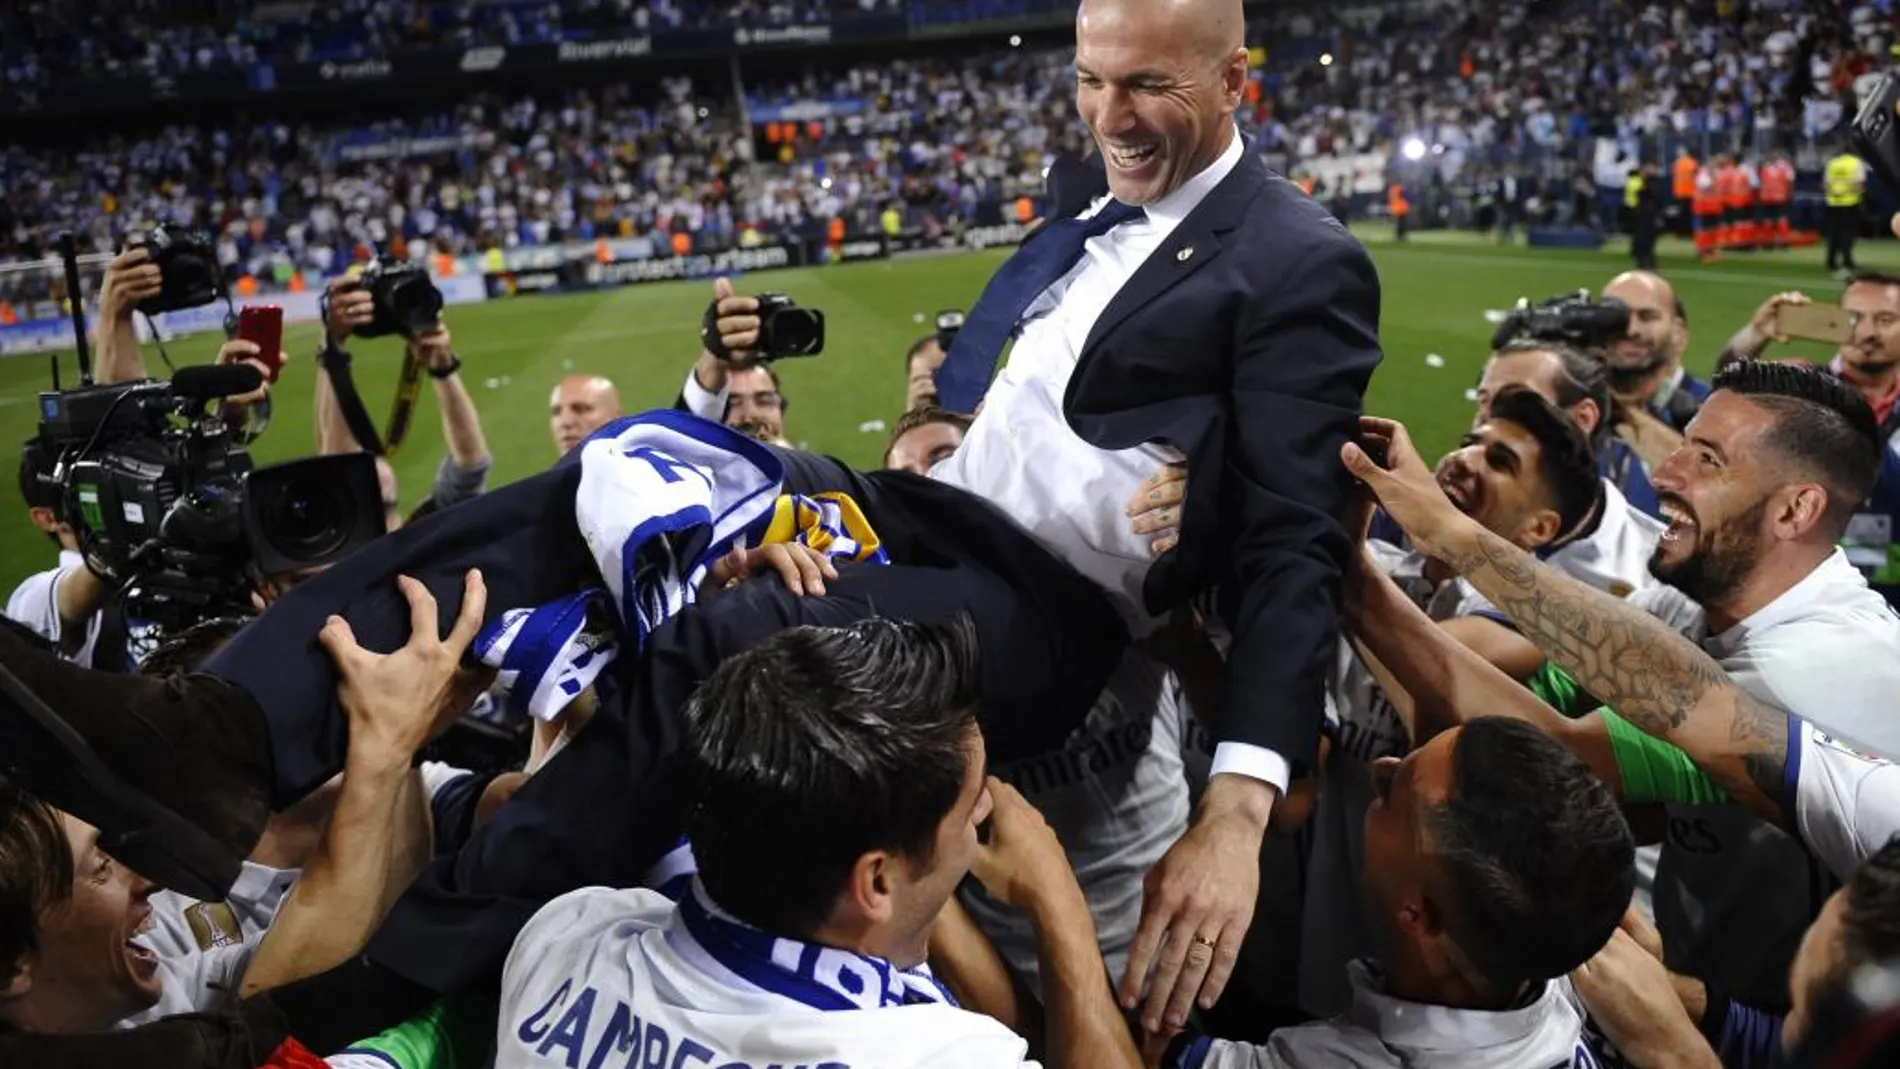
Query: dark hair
column 821, row 744
column 1868, row 276
column 1568, row 466
column 1870, row 925
column 187, row 651
column 1822, row 425
column 1535, row 862
column 923, row 416
column 36, row 873
column 1580, row 377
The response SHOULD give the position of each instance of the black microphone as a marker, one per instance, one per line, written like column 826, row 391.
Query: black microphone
column 208, row 382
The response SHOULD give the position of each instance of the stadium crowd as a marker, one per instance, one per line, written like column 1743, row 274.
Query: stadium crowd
column 1496, row 89
column 698, row 749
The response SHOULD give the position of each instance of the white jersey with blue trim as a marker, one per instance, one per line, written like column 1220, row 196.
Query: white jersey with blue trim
column 604, row 977
column 1843, row 804
column 204, row 948
column 1377, row 1031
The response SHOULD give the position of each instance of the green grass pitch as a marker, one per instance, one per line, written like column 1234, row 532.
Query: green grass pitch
column 1437, row 288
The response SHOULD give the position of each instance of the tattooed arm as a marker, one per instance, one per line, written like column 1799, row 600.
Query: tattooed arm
column 1632, row 662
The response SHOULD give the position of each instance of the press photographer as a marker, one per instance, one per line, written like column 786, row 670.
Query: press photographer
column 1591, row 328
column 392, row 298
column 734, row 381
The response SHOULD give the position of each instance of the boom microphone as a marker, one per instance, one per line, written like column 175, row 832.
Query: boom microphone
column 208, row 382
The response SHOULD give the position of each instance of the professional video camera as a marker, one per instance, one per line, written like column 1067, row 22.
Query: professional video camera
column 406, row 302
column 1572, row 318
column 168, row 507
column 188, row 270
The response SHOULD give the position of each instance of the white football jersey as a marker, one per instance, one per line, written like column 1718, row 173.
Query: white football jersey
column 1846, row 804
column 203, row 948
column 1116, row 795
column 1827, row 650
column 1614, row 556
column 604, row 977
column 1378, row 1031
column 35, row 603
column 1364, row 727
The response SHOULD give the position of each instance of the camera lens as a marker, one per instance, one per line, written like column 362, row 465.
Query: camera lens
column 795, row 332
column 307, row 519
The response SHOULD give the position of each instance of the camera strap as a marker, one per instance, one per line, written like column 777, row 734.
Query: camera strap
column 337, row 362
column 404, row 408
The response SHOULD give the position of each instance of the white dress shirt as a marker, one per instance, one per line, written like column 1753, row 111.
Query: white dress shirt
column 1022, row 455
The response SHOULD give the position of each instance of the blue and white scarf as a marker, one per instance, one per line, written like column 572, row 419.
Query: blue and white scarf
column 822, row 977
column 663, row 496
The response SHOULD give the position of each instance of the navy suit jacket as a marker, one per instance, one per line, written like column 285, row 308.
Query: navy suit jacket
column 1246, row 341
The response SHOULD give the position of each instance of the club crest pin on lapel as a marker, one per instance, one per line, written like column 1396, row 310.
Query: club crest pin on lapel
column 1186, row 254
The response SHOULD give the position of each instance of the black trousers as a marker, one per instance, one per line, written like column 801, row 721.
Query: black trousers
column 607, row 807
column 1843, row 229
column 1643, row 233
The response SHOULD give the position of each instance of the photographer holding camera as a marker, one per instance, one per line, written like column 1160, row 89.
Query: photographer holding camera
column 387, row 298
column 734, row 382
column 62, row 603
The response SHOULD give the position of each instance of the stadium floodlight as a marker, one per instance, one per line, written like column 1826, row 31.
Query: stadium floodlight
column 1015, row 40
column 1413, row 149
column 1325, row 59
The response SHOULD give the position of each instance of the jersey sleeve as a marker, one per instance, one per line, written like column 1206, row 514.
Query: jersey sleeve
column 1844, row 804
column 1656, row 770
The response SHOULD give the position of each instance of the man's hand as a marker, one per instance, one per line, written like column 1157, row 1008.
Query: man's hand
column 801, row 568
column 1631, row 998
column 737, row 323
column 1765, row 323
column 1156, row 507
column 1023, row 861
column 435, row 349
column 351, row 306
column 1196, row 905
column 239, row 351
column 395, row 701
column 1405, row 486
column 131, row 278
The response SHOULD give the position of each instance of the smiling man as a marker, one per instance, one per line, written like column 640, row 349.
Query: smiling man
column 1181, row 304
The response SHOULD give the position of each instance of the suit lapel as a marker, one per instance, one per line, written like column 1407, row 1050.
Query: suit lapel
column 1193, row 245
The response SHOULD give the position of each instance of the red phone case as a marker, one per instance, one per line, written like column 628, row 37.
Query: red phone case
column 263, row 326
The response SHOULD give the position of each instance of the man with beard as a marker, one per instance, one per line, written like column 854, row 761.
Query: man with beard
column 1646, row 372
column 1768, row 476
column 1870, row 362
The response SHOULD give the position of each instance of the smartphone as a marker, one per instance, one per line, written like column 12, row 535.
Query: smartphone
column 1815, row 322
column 1876, row 133
column 263, row 326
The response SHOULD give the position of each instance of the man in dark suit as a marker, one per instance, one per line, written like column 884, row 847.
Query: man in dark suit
column 1183, row 304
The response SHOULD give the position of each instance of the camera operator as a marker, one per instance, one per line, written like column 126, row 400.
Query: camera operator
column 62, row 603
column 463, row 473
column 1646, row 372
column 740, row 389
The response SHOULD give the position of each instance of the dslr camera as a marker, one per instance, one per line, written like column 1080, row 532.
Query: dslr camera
column 168, row 507
column 1571, row 318
column 188, row 271
column 406, row 301
column 785, row 330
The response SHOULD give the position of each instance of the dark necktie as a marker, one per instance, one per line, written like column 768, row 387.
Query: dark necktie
column 1041, row 263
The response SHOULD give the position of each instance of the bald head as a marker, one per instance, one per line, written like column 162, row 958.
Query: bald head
column 1658, row 331
column 1158, row 82
column 581, row 404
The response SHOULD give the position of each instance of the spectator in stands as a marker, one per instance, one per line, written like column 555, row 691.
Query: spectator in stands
column 580, row 405
column 923, row 437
